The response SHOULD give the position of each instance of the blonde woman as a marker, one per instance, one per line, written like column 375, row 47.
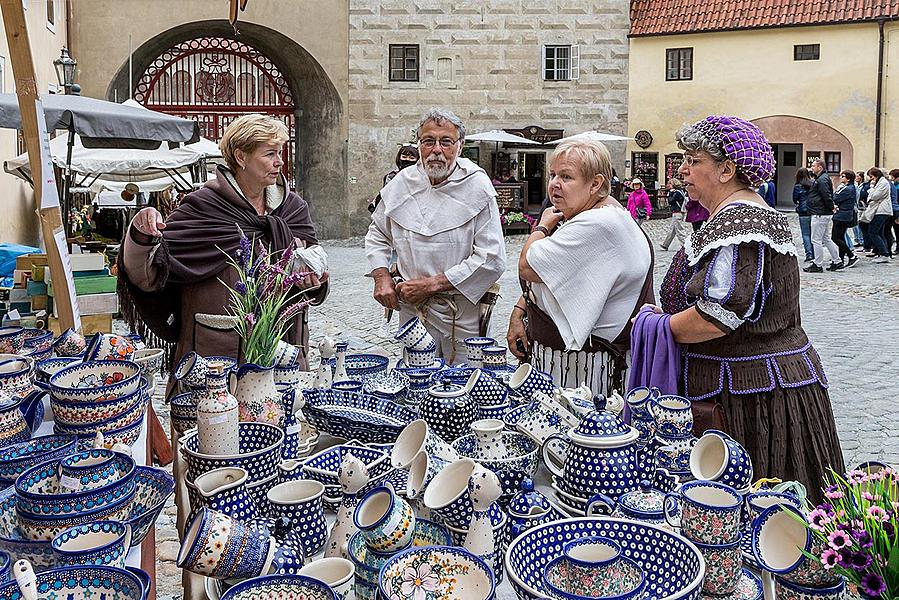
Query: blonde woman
column 584, row 270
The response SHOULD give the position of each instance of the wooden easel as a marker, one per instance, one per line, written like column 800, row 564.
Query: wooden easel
column 48, row 212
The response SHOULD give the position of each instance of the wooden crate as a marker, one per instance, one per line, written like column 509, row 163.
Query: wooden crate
column 90, row 324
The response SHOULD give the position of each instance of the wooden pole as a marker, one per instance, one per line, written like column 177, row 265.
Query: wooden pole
column 48, row 208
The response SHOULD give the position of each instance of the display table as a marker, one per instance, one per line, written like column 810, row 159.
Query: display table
column 143, row 556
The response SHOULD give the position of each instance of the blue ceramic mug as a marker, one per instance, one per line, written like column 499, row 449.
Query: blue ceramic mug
column 101, row 543
column 386, row 521
column 718, row 457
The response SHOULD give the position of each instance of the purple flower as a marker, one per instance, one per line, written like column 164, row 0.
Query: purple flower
column 244, row 249
column 250, row 318
column 863, row 538
column 872, row 585
column 845, row 558
column 240, row 287
column 860, row 561
column 286, row 256
column 830, row 558
column 888, row 529
column 293, row 310
column 838, row 539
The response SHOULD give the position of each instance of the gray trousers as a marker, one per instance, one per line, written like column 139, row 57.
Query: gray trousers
column 678, row 228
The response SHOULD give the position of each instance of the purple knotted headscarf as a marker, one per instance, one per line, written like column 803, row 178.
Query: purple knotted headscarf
column 742, row 142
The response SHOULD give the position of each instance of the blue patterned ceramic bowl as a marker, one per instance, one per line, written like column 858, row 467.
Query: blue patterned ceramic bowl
column 260, row 452
column 96, row 380
column 122, row 435
column 183, row 412
column 17, row 458
column 362, row 366
column 369, row 562
column 354, row 415
column 95, row 543
column 523, row 453
column 673, row 566
column 85, row 582
column 39, row 492
column 86, row 414
column 323, row 466
column 280, row 586
column 787, row 590
column 448, row 571
column 46, row 528
column 153, row 488
column 49, row 367
column 38, row 553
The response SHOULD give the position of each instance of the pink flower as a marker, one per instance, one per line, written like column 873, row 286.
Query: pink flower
column 868, row 496
column 838, row 539
column 877, row 512
column 818, row 518
column 833, row 495
column 857, row 476
column 830, row 558
column 417, row 582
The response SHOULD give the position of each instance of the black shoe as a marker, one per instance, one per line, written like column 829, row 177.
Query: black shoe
column 813, row 268
column 835, row 266
column 852, row 260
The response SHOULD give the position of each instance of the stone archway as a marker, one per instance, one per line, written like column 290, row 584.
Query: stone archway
column 320, row 154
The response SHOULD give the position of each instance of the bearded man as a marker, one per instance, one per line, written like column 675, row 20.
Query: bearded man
column 440, row 217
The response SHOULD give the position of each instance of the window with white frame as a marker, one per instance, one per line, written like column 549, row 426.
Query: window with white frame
column 51, row 15
column 561, row 62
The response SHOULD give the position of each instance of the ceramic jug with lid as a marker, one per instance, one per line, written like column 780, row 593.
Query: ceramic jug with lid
column 448, row 410
column 602, row 457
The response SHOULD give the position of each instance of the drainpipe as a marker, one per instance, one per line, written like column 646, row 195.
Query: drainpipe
column 879, row 108
column 69, row 25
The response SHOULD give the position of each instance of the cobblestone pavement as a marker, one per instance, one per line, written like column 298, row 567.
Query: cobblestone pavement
column 847, row 314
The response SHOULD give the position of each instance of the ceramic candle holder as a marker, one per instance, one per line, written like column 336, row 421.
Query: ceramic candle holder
column 98, row 543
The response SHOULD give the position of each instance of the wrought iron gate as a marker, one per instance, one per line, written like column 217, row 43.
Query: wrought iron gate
column 214, row 81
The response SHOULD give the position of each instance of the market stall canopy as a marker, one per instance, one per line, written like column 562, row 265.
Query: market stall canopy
column 591, row 136
column 498, row 135
column 103, row 124
column 124, row 164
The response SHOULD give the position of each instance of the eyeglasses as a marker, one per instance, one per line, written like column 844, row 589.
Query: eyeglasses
column 431, row 142
column 690, row 160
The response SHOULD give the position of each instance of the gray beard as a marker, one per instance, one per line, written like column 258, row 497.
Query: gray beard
column 437, row 172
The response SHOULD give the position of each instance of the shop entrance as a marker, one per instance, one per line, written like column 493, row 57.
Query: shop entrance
column 532, row 169
column 788, row 159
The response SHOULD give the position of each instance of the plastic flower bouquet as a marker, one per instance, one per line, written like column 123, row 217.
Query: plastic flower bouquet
column 858, row 522
column 264, row 300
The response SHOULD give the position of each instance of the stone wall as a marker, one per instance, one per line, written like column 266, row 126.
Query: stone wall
column 494, row 79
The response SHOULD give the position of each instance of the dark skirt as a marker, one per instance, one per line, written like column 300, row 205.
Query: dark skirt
column 789, row 433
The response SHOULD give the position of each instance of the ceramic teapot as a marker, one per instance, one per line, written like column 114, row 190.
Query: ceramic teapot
column 448, row 410
column 529, row 508
column 642, row 504
column 602, row 457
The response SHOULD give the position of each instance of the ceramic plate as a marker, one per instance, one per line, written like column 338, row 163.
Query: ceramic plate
column 748, row 588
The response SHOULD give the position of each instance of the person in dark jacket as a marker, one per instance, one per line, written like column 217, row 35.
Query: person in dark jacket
column 894, row 223
column 800, row 199
column 845, row 216
column 768, row 191
column 820, row 205
column 861, row 200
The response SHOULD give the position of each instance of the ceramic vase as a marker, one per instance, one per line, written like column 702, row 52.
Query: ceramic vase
column 217, row 416
column 353, row 476
column 340, row 373
column 258, row 399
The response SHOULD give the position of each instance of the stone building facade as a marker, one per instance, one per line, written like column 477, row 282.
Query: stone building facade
column 533, row 66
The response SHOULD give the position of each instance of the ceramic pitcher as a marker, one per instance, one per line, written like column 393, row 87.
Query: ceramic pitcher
column 224, row 490
column 217, row 415
column 257, row 397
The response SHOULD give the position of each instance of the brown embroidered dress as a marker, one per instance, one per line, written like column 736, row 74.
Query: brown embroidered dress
column 741, row 274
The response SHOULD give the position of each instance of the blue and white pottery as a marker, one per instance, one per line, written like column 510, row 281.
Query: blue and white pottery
column 493, row 357
column 44, row 528
column 368, row 562
column 673, row 566
column 70, row 343
column 325, row 465
column 594, row 567
column 780, row 539
column 335, row 571
column 88, row 470
column 673, row 416
column 5, row 566
column 225, row 491
column 643, row 504
column 101, row 543
column 13, row 427
column 16, row 375
column 13, row 542
column 749, row 587
column 637, row 401
column 83, row 582
column 486, row 389
column 756, row 502
column 474, row 349
column 96, row 380
column 500, row 530
column 420, row 358
column 191, row 370
column 529, row 508
column 301, row 503
column 354, row 415
column 183, row 412
column 291, row 445
column 280, row 586
column 49, row 367
column 438, row 364
column 218, row 546
column 419, row 382
column 153, row 488
column 88, row 413
column 413, row 335
column 390, row 385
column 12, row 339
column 107, row 346
column 386, row 521
column 150, row 361
column 448, row 496
column 362, row 366
column 416, row 437
column 347, row 385
column 673, row 453
column 723, row 567
column 422, row 470
column 710, row 512
column 718, row 457
column 17, row 458
column 444, row 571
column 260, row 452
column 527, row 381
column 787, row 590
column 602, row 456
column 448, row 410
column 86, row 424
column 126, row 434
column 495, row 412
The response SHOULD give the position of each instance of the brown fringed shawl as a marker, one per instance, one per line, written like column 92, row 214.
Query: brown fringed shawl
column 197, row 236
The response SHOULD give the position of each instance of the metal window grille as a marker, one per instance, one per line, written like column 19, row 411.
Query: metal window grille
column 678, row 64
column 806, row 51
column 561, row 62
column 404, row 62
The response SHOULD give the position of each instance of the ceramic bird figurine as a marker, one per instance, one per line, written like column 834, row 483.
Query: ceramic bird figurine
column 485, row 489
column 352, row 476
column 323, row 376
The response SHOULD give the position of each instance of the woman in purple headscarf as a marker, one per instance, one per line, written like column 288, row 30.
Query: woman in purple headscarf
column 733, row 295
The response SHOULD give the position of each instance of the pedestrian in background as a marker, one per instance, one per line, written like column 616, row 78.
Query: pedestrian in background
column 820, row 205
column 894, row 223
column 878, row 212
column 768, row 191
column 845, row 216
column 861, row 199
column 800, row 199
column 676, row 200
column 638, row 203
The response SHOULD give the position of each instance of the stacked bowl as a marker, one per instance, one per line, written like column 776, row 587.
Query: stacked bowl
column 106, row 396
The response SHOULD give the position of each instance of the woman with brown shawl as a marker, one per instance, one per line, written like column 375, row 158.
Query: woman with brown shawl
column 173, row 274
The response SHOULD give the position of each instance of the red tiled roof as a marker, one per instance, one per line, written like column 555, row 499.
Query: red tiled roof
column 663, row 17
